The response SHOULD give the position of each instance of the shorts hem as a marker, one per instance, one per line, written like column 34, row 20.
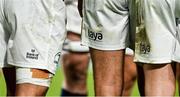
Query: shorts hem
column 176, row 59
column 33, row 83
column 107, row 48
column 152, row 60
column 31, row 65
column 3, row 65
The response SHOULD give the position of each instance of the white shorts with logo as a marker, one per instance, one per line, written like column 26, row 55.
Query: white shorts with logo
column 106, row 24
column 157, row 36
column 32, row 33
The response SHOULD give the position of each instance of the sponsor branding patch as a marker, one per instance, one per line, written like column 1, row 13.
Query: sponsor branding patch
column 57, row 57
column 32, row 54
column 95, row 36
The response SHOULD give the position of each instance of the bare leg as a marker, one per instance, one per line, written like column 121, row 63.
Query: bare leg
column 30, row 90
column 75, row 69
column 31, row 86
column 108, row 72
column 130, row 75
column 10, row 78
column 159, row 80
column 75, row 66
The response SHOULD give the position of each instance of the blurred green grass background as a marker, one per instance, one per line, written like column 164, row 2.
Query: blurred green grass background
column 55, row 88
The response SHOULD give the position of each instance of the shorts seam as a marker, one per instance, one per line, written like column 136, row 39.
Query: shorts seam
column 109, row 47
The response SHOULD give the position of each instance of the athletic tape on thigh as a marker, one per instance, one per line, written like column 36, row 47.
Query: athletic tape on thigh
column 74, row 46
column 129, row 51
column 33, row 76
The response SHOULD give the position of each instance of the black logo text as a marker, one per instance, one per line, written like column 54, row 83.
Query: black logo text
column 32, row 54
column 95, row 36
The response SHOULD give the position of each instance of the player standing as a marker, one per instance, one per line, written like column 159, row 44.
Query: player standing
column 106, row 27
column 31, row 37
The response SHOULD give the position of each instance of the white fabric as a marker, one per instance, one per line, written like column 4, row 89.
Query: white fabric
column 73, row 17
column 74, row 46
column 106, row 24
column 156, row 37
column 24, row 75
column 129, row 52
column 35, row 30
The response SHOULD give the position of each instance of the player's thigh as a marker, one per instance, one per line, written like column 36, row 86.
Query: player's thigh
column 129, row 68
column 33, row 90
column 103, row 59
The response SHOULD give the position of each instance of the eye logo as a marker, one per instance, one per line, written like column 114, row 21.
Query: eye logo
column 95, row 36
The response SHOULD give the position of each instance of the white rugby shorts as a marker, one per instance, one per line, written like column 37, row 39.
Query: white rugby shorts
column 32, row 33
column 157, row 34
column 106, row 24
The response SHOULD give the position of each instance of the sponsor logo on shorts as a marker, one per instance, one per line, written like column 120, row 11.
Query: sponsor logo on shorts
column 32, row 54
column 57, row 57
column 144, row 48
column 95, row 36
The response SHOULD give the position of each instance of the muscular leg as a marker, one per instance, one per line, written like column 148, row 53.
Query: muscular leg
column 129, row 75
column 10, row 78
column 75, row 69
column 27, row 89
column 36, row 84
column 108, row 72
column 159, row 80
column 75, row 66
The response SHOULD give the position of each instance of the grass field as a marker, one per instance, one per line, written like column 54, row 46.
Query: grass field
column 57, row 83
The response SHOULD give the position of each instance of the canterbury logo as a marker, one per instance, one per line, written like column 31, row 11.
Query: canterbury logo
column 95, row 36
column 32, row 54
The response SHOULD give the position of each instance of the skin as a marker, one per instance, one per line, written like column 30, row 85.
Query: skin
column 159, row 80
column 21, row 89
column 108, row 72
column 75, row 66
column 10, row 78
column 30, row 90
column 103, row 61
column 130, row 75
